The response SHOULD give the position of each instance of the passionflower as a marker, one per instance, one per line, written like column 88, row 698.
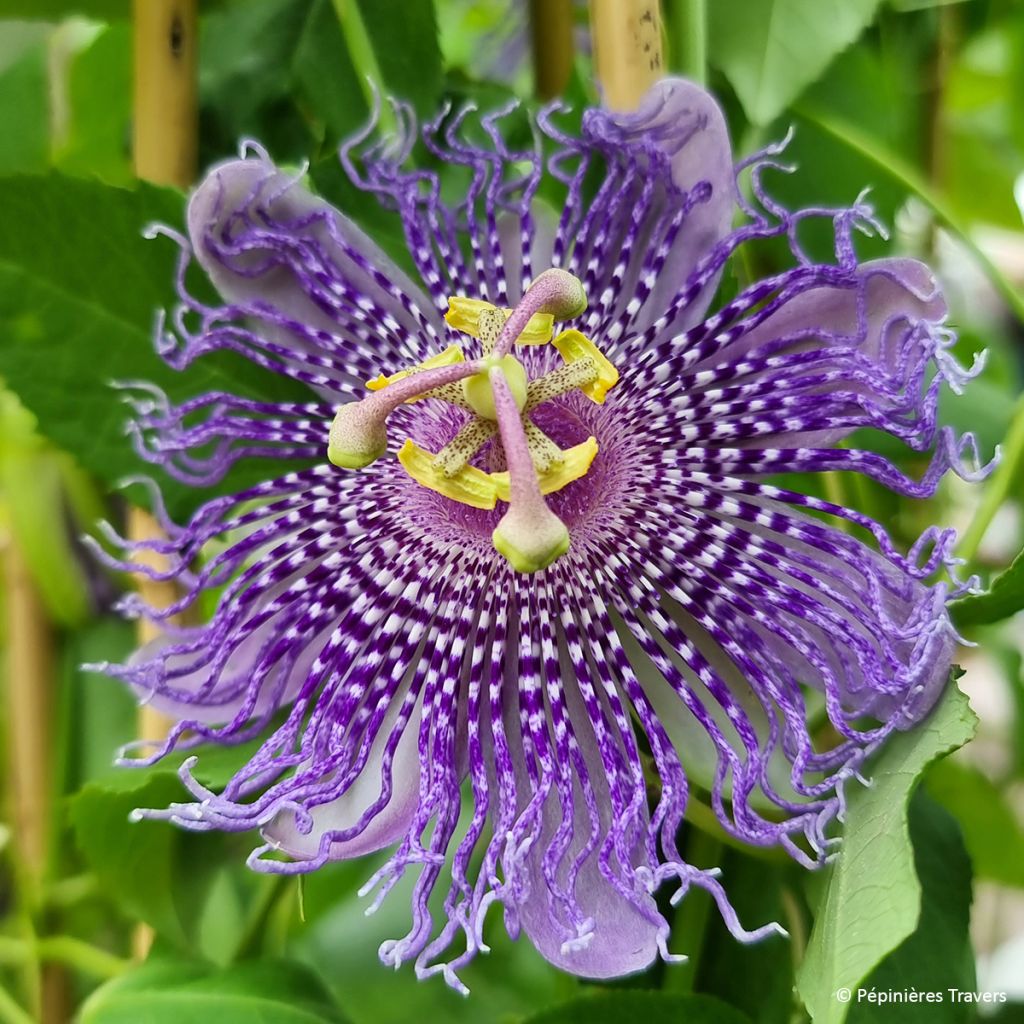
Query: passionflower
column 530, row 581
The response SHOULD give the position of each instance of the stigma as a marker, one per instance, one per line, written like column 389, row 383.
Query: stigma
column 495, row 389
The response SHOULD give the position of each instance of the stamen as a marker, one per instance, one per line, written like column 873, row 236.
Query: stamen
column 359, row 432
column 575, row 463
column 465, row 444
column 449, row 357
column 575, row 347
column 453, row 394
column 566, row 378
column 497, row 389
column 481, row 320
column 556, row 292
column 529, row 534
column 469, row 485
column 544, row 451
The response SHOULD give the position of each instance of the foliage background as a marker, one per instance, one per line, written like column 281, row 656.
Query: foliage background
column 923, row 101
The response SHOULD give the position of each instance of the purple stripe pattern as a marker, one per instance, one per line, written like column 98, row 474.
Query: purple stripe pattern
column 711, row 636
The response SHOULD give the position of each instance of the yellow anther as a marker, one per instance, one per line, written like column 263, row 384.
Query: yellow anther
column 575, row 463
column 464, row 315
column 572, row 345
column 449, row 357
column 469, row 485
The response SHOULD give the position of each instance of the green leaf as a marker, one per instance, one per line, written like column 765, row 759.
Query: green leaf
column 97, row 134
column 79, row 291
column 1004, row 597
column 32, row 490
column 1008, row 1013
column 992, row 831
column 326, row 75
column 877, row 91
column 103, row 710
column 153, row 871
column 24, row 100
column 895, row 166
column 998, row 487
column 873, row 898
column 341, row 942
column 246, row 80
column 631, row 1006
column 403, row 34
column 771, row 50
column 258, row 992
column 937, row 957
column 54, row 10
column 351, row 48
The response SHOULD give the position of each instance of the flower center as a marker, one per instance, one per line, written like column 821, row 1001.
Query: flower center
column 497, row 392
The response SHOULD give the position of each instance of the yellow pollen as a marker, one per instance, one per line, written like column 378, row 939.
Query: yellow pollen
column 469, row 485
column 572, row 345
column 464, row 315
column 474, row 487
column 575, row 464
column 449, row 357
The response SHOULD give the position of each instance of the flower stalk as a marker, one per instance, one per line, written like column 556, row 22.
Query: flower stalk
column 687, row 30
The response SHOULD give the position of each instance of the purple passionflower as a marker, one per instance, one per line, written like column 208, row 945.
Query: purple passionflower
column 545, row 590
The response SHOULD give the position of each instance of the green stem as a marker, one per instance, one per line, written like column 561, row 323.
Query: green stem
column 11, row 1012
column 998, row 487
column 250, row 944
column 364, row 60
column 67, row 892
column 901, row 171
column 794, row 925
column 687, row 26
column 63, row 949
column 704, row 818
column 690, row 926
column 90, row 960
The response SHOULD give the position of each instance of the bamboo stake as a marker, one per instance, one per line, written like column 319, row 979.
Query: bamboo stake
column 165, row 143
column 165, row 137
column 30, row 699
column 551, row 25
column 30, row 703
column 165, row 151
column 627, row 49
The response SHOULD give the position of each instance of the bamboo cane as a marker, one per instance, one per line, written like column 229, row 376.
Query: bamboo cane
column 627, row 49
column 30, row 696
column 551, row 25
column 165, row 102
column 165, row 99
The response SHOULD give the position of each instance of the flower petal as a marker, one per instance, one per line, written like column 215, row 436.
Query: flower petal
column 388, row 822
column 619, row 934
column 667, row 200
column 825, row 351
column 287, row 257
